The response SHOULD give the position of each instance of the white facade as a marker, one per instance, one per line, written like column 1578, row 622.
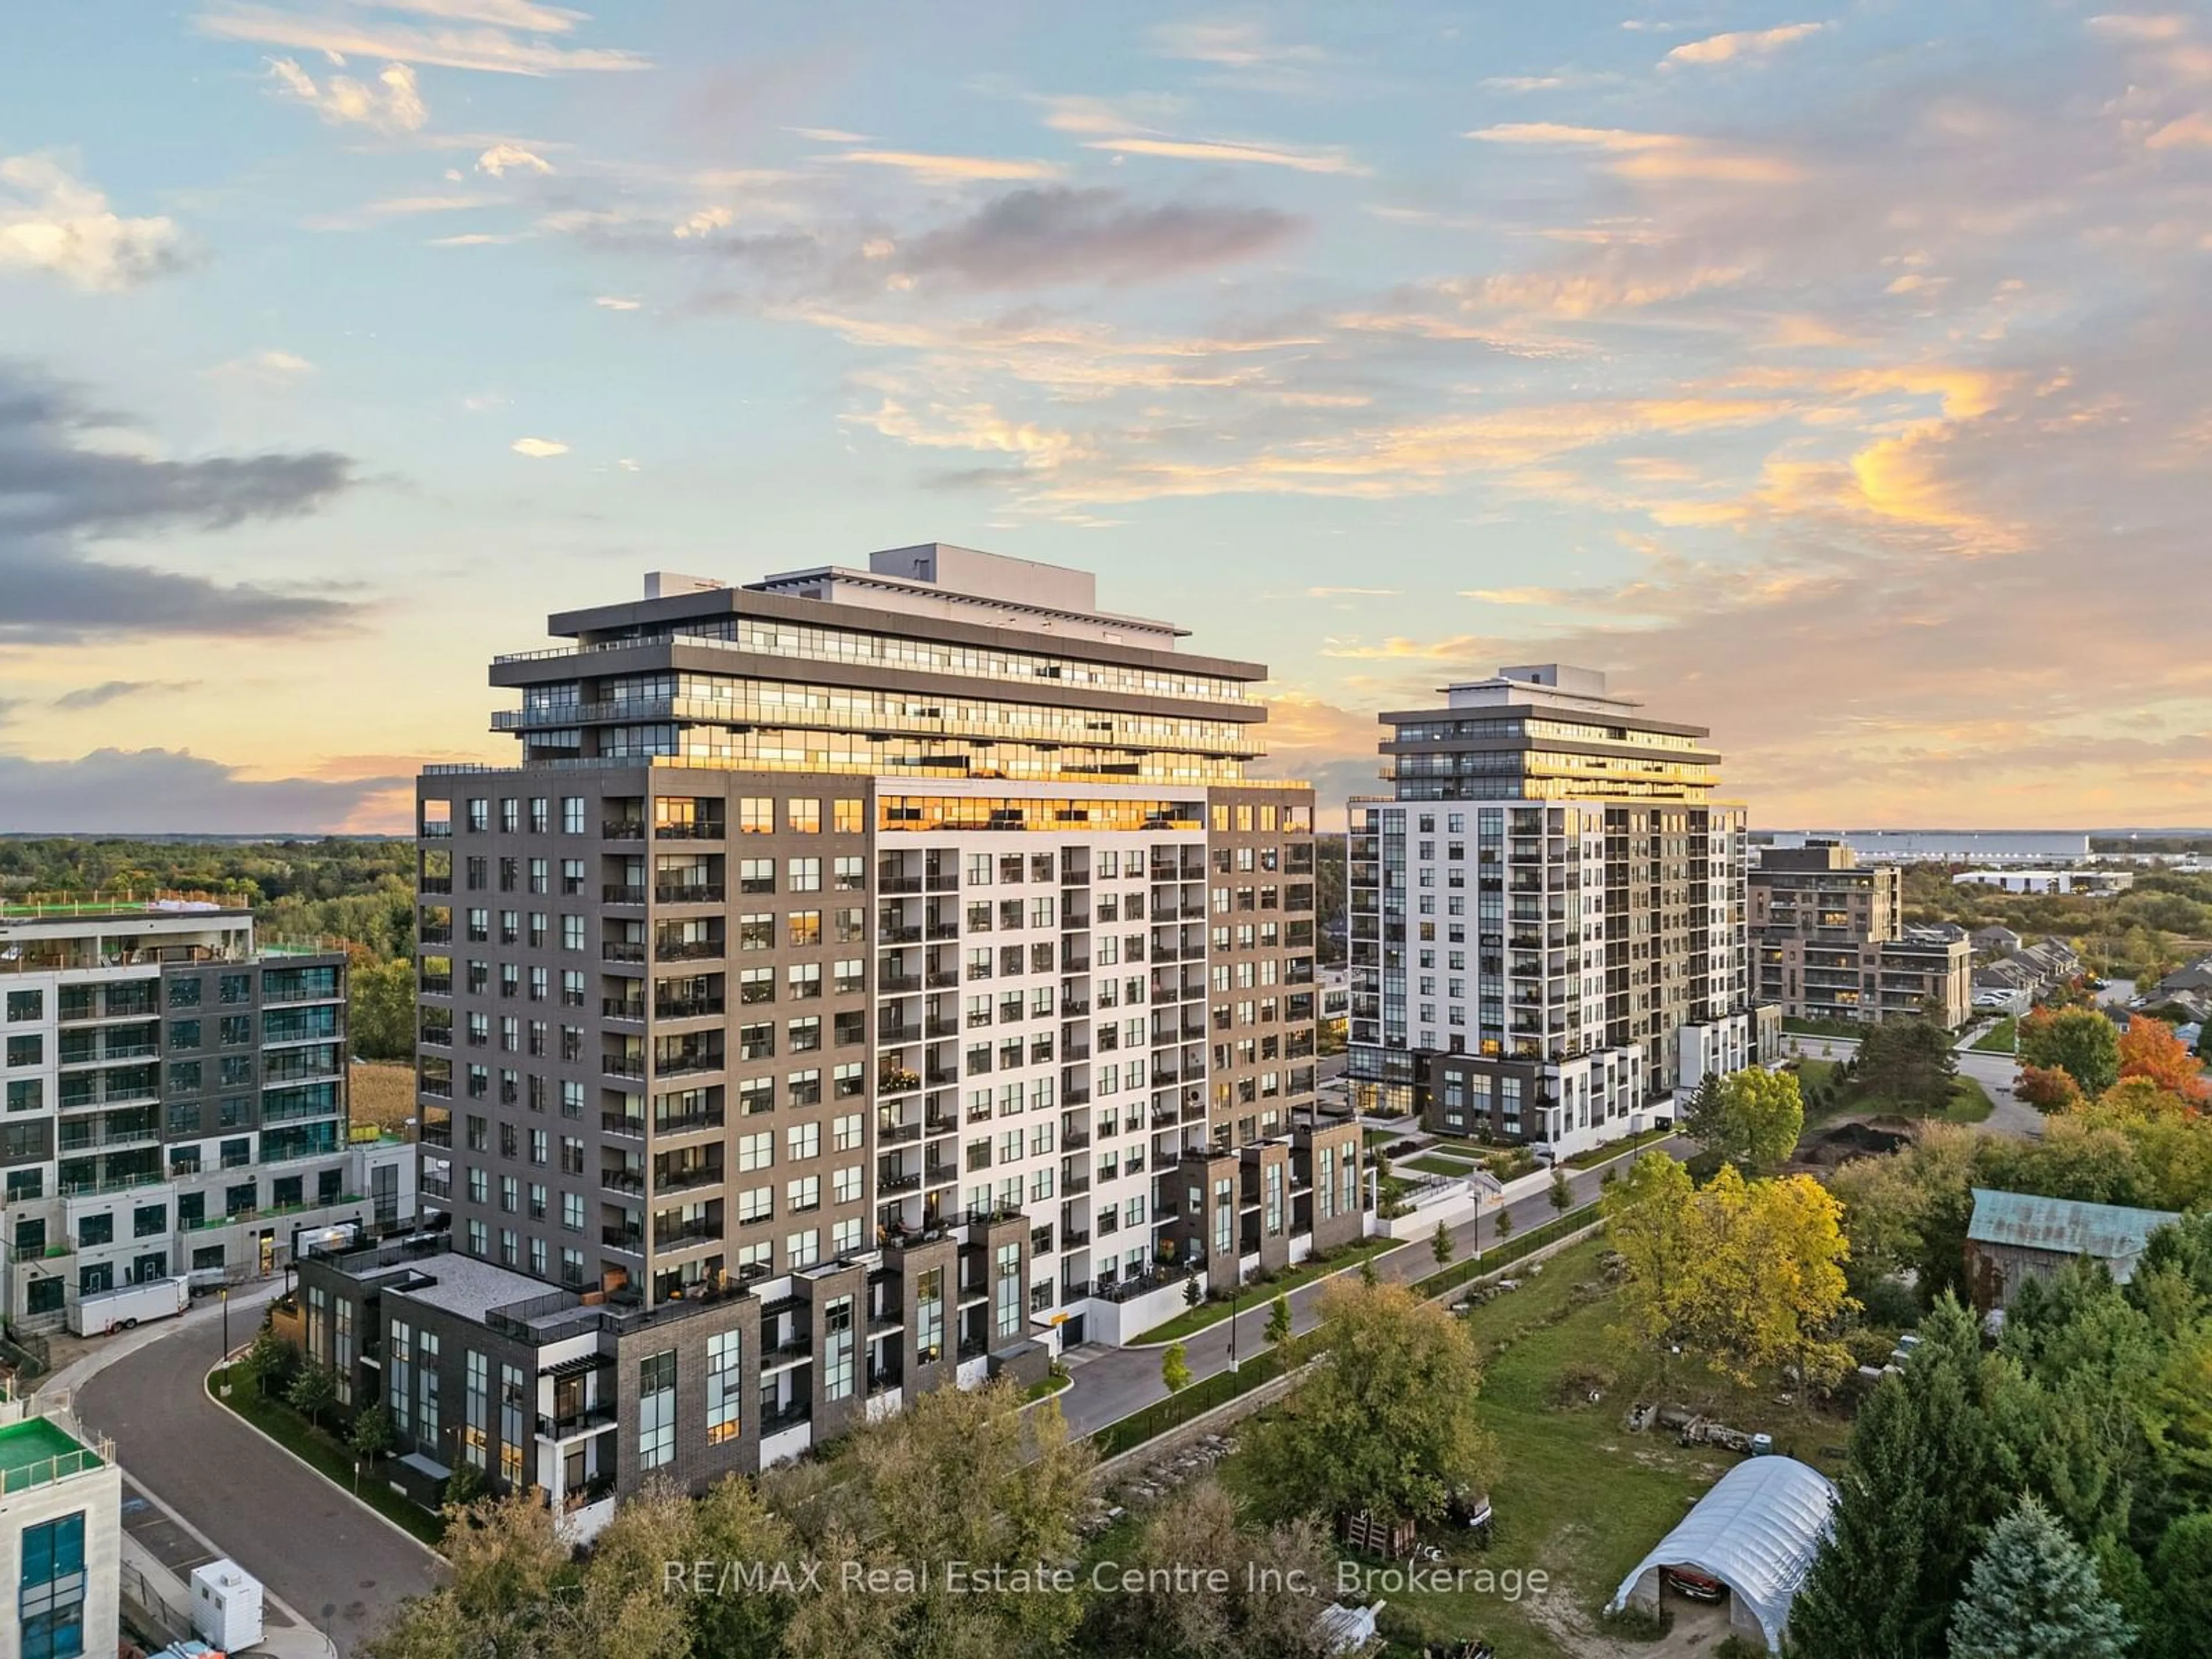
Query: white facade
column 2048, row 881
column 131, row 1152
column 1056, row 991
column 61, row 1537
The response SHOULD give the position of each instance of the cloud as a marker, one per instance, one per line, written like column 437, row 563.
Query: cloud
column 466, row 34
column 172, row 791
column 393, row 206
column 1750, row 43
column 67, row 486
column 1647, row 155
column 828, row 135
column 1234, row 45
column 52, row 222
column 539, row 448
column 1353, row 593
column 392, row 104
column 1053, row 234
column 613, row 302
column 501, row 158
column 268, row 367
column 1236, row 152
column 2140, row 27
column 99, row 696
column 2195, row 127
column 950, row 170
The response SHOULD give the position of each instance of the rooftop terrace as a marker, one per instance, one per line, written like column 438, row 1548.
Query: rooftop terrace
column 37, row 1451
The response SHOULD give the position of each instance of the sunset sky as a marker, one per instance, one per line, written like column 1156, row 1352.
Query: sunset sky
column 1839, row 377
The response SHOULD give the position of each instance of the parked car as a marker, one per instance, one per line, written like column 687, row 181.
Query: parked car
column 1688, row 1581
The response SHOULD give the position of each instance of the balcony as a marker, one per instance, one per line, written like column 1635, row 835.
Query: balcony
column 689, row 892
column 622, row 1064
column 623, row 830
column 622, row 1181
column 617, row 1008
column 687, row 1008
column 620, row 950
column 692, row 830
column 613, row 1123
column 683, row 1234
column 685, row 949
column 584, row 1421
column 622, row 893
column 1074, row 1186
column 628, row 1240
column 685, row 1179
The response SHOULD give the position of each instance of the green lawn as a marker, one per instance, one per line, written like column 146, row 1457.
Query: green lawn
column 1999, row 1038
column 1969, row 1101
column 321, row 1452
column 1052, row 1383
column 1254, row 1295
column 1429, row 1164
column 1613, row 1149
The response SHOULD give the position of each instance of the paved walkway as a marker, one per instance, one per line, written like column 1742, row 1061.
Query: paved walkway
column 2008, row 1115
column 335, row 1565
column 1111, row 1382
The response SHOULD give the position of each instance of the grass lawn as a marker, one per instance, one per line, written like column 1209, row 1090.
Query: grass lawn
column 1052, row 1383
column 1969, row 1101
column 317, row 1449
column 1999, row 1038
column 1613, row 1149
column 1428, row 1165
column 1256, row 1296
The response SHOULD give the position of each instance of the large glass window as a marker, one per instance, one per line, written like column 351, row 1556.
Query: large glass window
column 726, row 1387
column 656, row 1410
column 50, row 1601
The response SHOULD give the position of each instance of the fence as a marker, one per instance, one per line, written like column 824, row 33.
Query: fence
column 161, row 1609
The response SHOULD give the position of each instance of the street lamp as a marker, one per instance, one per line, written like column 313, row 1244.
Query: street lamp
column 1236, row 1289
column 225, row 1299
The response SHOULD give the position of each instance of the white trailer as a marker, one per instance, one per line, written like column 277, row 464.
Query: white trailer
column 126, row 1305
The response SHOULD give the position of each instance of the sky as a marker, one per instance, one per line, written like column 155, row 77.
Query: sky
column 1837, row 376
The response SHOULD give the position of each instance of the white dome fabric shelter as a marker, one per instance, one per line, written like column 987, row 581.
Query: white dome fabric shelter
column 1756, row 1531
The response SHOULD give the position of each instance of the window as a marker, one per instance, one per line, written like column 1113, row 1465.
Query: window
column 50, row 1601
column 656, row 1410
column 803, row 1249
column 572, row 815
column 850, row 875
column 756, row 815
column 845, row 1185
column 844, row 1133
column 804, row 875
column 802, row 818
column 757, row 875
column 726, row 1387
column 802, row 1194
column 26, row 1005
column 838, row 1349
column 184, row 993
column 1009, row 1291
column 572, row 933
column 804, row 1141
column 845, row 817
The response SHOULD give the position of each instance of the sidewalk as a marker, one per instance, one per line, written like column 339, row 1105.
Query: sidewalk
column 1112, row 1382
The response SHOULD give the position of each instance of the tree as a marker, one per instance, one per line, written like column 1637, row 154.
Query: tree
column 2080, row 1041
column 2149, row 1050
column 1919, row 1489
column 380, row 1019
column 372, row 1434
column 2047, row 1089
column 1908, row 1063
column 464, row 1486
column 1440, row 1246
column 2181, row 1573
column 1367, row 1272
column 1175, row 1367
column 1752, row 1117
column 268, row 1363
column 508, row 1566
column 1278, row 1320
column 1192, row 1295
column 1203, row 1585
column 962, row 1474
column 1562, row 1191
column 1647, row 1222
column 1387, row 1423
column 660, row 1523
column 2033, row 1593
column 313, row 1392
column 1790, row 1239
column 1504, row 1226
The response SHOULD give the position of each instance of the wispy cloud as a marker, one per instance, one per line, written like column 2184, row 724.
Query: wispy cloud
column 615, row 302
column 538, row 449
column 1332, row 159
column 484, row 35
column 950, row 170
column 99, row 696
column 501, row 158
column 1649, row 155
column 1741, row 44
column 1239, row 44
column 1353, row 593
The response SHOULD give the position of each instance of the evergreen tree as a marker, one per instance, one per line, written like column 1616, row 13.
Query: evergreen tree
column 2033, row 1593
column 2181, row 1572
column 1917, row 1494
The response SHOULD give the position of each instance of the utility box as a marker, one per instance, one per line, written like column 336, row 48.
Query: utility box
column 225, row 1606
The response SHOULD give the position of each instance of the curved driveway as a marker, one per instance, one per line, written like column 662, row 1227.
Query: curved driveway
column 338, row 1564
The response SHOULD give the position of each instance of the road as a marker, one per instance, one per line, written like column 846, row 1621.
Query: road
column 338, row 1562
column 1111, row 1382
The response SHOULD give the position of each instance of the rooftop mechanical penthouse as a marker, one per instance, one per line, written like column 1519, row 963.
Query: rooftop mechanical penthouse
column 899, row 953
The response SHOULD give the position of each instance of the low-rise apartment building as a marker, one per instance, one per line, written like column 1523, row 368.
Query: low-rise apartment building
column 176, row 1101
column 1830, row 941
